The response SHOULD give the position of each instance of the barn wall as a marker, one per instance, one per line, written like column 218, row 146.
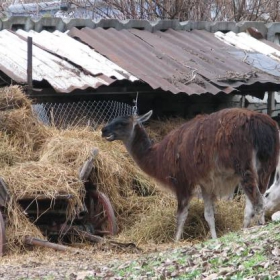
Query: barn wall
column 167, row 104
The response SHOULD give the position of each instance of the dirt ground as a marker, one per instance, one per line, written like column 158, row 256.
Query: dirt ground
column 48, row 264
column 251, row 253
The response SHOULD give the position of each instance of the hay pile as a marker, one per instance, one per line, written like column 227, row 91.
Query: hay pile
column 37, row 159
column 24, row 133
column 115, row 173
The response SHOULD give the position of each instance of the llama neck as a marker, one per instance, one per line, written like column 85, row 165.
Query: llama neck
column 140, row 149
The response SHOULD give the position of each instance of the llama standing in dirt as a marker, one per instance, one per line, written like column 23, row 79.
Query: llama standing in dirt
column 216, row 152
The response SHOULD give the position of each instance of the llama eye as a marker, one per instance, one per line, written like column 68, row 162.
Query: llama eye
column 266, row 195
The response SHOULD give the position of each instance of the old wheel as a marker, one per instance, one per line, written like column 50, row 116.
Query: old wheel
column 101, row 214
column 2, row 236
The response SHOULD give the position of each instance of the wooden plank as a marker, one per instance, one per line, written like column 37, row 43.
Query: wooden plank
column 45, row 197
column 88, row 166
column 270, row 102
column 4, row 193
column 42, row 243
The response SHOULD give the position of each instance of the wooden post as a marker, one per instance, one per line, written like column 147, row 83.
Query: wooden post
column 42, row 243
column 2, row 236
column 88, row 236
column 270, row 102
column 4, row 193
column 242, row 101
column 88, row 165
column 29, row 65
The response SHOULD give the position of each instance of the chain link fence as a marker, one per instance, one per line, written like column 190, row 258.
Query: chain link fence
column 82, row 113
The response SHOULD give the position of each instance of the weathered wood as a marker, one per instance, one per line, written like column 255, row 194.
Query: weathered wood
column 99, row 239
column 2, row 236
column 125, row 245
column 270, row 102
column 4, row 193
column 88, row 166
column 42, row 243
column 29, row 64
column 45, row 197
column 54, row 212
column 89, row 236
column 242, row 101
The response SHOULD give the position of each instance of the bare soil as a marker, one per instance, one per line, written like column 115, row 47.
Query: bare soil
column 246, row 254
column 48, row 264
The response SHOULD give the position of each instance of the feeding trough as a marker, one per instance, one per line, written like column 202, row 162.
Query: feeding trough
column 93, row 219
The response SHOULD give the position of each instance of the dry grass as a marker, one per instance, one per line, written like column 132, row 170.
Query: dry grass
column 9, row 155
column 157, row 129
column 157, row 223
column 34, row 179
column 21, row 133
column 12, row 98
column 26, row 134
column 44, row 160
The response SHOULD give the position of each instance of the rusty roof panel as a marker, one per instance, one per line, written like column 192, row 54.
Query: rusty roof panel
column 59, row 59
column 139, row 58
column 258, row 53
column 63, row 45
column 178, row 61
column 63, row 76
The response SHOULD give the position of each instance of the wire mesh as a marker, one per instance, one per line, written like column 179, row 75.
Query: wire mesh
column 82, row 113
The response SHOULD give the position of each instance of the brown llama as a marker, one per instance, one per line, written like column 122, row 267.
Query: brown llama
column 216, row 152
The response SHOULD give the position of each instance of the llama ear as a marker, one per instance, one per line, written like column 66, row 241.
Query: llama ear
column 145, row 117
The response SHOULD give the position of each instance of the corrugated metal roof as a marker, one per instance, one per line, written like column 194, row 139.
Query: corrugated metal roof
column 61, row 44
column 61, row 74
column 257, row 53
column 177, row 61
column 193, row 62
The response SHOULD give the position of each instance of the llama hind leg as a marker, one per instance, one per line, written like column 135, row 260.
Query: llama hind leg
column 209, row 212
column 264, row 178
column 182, row 214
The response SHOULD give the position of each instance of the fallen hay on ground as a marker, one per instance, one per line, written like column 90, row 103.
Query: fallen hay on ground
column 157, row 224
column 47, row 160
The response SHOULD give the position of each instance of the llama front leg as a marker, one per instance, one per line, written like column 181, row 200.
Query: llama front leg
column 209, row 212
column 250, row 212
column 182, row 214
column 254, row 201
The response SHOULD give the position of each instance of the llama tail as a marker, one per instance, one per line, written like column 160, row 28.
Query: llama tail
column 265, row 134
column 277, row 173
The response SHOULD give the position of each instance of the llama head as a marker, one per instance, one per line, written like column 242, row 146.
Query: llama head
column 272, row 195
column 122, row 128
